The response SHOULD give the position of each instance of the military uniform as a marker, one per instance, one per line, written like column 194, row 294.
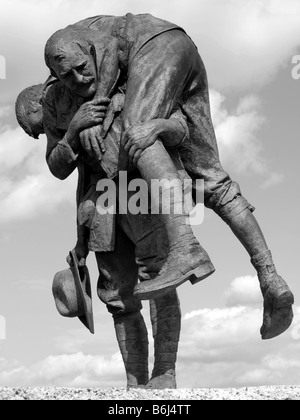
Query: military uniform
column 162, row 68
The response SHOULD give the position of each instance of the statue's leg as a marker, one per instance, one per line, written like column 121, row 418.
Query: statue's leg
column 151, row 252
column 118, row 277
column 231, row 206
column 166, row 324
column 132, row 336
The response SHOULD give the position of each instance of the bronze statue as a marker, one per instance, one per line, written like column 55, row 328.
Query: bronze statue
column 162, row 68
column 165, row 120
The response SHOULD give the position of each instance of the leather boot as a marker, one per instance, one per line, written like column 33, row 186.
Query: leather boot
column 132, row 336
column 187, row 260
column 278, row 299
column 166, row 324
column 234, row 209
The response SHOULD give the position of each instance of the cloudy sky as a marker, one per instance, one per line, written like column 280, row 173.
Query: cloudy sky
column 248, row 47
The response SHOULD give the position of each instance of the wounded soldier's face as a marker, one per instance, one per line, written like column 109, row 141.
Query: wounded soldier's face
column 29, row 110
column 76, row 70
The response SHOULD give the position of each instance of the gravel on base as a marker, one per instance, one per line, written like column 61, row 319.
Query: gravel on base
column 262, row 393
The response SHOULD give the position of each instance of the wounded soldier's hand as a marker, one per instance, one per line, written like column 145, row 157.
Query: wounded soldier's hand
column 92, row 142
column 139, row 137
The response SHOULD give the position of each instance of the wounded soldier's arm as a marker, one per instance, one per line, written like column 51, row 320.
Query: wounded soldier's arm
column 61, row 159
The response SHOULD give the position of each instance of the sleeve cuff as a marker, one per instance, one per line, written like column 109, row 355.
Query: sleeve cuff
column 67, row 151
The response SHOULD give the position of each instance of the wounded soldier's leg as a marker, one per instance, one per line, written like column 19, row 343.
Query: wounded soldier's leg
column 234, row 209
column 186, row 257
column 164, row 88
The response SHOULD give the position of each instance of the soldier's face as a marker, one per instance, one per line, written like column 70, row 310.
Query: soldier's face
column 77, row 71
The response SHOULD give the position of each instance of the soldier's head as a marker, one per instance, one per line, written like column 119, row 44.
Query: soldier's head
column 29, row 110
column 71, row 58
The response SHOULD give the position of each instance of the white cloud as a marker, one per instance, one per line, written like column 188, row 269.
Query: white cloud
column 223, row 348
column 244, row 43
column 237, row 136
column 214, row 327
column 296, row 326
column 237, row 133
column 27, row 187
column 5, row 111
column 15, row 148
column 274, row 180
column 244, row 291
column 75, row 370
column 278, row 362
column 258, row 377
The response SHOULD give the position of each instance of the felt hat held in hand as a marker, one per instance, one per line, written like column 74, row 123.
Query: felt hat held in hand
column 72, row 293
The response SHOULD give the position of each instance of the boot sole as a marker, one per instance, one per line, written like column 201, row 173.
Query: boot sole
column 281, row 315
column 149, row 290
column 281, row 322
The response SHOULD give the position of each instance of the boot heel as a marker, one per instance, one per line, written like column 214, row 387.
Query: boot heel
column 284, row 300
column 202, row 273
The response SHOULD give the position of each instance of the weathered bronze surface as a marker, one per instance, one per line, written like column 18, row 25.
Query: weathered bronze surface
column 130, row 94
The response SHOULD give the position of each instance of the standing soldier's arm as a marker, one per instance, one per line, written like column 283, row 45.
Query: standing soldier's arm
column 61, row 158
column 63, row 146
